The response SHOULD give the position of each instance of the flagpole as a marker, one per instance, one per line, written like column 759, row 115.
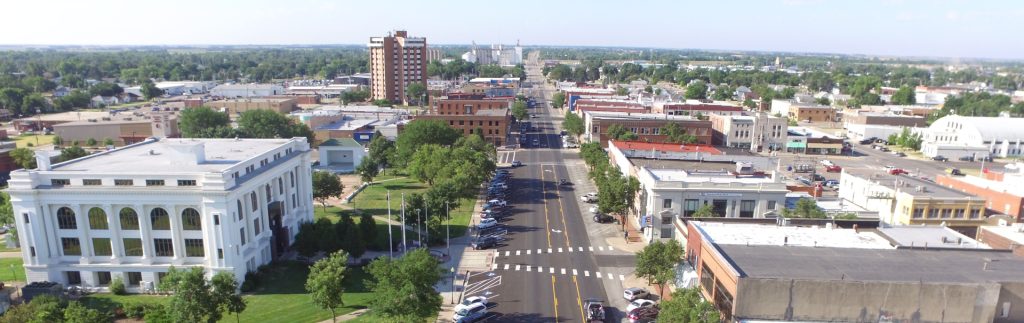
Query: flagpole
column 391, row 241
column 448, row 223
column 403, row 223
column 426, row 226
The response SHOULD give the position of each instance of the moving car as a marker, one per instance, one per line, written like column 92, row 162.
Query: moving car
column 487, row 223
column 956, row 172
column 940, row 158
column 638, row 304
column 470, row 313
column 564, row 182
column 589, row 198
column 833, row 169
column 516, row 163
column 483, row 243
column 899, row 154
column 595, row 310
column 635, row 293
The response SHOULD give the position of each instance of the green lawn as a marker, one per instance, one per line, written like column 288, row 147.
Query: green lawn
column 3, row 245
column 23, row 140
column 11, row 269
column 373, row 199
column 283, row 300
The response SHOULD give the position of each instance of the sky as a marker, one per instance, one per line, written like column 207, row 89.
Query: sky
column 932, row 28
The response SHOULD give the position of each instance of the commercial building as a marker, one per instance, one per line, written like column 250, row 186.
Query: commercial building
column 750, row 274
column 812, row 113
column 396, row 61
column 908, row 200
column 757, row 132
column 341, row 155
column 609, row 105
column 956, row 136
column 1005, row 236
column 356, row 122
column 646, row 126
column 575, row 93
column 698, row 107
column 860, row 125
column 246, row 90
column 498, row 54
column 323, row 91
column 227, row 205
column 175, row 88
column 235, row 107
column 489, row 117
column 1003, row 195
column 46, row 121
column 122, row 129
column 508, row 82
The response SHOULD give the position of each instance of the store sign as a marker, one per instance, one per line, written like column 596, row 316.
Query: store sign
column 714, row 194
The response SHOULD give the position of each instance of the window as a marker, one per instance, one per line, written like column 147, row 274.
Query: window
column 71, row 246
column 946, row 213
column 190, row 220
column 32, row 251
column 159, row 220
column 186, row 182
column 933, row 213
column 256, row 227
column 124, row 182
column 280, row 185
column 220, row 253
column 747, row 208
column 129, row 219
column 974, row 213
column 255, row 201
column 292, row 174
column 92, row 182
column 194, row 248
column 66, row 219
column 163, row 247
column 97, row 219
column 666, row 204
column 771, row 205
column 958, row 213
column 295, row 201
column 918, row 213
column 101, row 247
column 269, row 195
column 241, row 233
column 132, row 247
column 154, row 182
column 216, row 219
column 690, row 206
column 134, row 278
column 240, row 210
column 74, row 277
column 103, row 278
column 60, row 182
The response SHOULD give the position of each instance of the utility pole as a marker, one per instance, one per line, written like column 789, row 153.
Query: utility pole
column 403, row 223
column 426, row 225
column 447, row 224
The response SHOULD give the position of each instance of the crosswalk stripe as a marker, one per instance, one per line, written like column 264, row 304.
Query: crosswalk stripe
column 598, row 274
column 540, row 251
column 527, row 252
column 610, row 248
column 574, row 272
column 559, row 249
column 563, row 271
column 552, row 270
column 517, row 267
column 549, row 250
column 591, row 249
column 600, row 248
column 494, row 266
column 611, row 276
column 517, row 252
column 581, row 249
column 527, row 268
column 622, row 277
column 506, row 266
column 507, row 253
column 586, row 273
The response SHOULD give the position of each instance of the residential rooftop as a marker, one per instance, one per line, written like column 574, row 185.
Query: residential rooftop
column 875, row 264
column 789, row 236
column 172, row 155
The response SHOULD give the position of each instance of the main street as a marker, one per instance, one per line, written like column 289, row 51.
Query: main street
column 547, row 265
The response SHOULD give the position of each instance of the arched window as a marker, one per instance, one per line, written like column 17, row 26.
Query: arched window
column 190, row 220
column 159, row 219
column 129, row 219
column 97, row 219
column 241, row 212
column 255, row 202
column 66, row 218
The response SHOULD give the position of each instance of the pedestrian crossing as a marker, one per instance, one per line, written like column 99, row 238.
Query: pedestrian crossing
column 560, row 271
column 540, row 251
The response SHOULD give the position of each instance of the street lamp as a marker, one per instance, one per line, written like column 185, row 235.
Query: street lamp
column 447, row 224
column 39, row 117
column 451, row 270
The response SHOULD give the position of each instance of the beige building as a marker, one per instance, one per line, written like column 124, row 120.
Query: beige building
column 121, row 129
column 396, row 61
column 237, row 106
column 759, row 132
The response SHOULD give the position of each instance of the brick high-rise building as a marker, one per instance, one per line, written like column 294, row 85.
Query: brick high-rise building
column 395, row 62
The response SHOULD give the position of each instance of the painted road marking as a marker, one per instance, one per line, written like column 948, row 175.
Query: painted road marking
column 539, row 251
column 517, row 267
column 563, row 271
column 574, row 272
column 552, row 271
column 581, row 249
column 610, row 248
column 506, row 266
column 527, row 268
column 559, row 249
column 598, row 274
column 517, row 252
column 494, row 267
column 508, row 252
column 622, row 278
column 586, row 273
column 611, row 276
column 549, row 250
column 527, row 252
column 591, row 249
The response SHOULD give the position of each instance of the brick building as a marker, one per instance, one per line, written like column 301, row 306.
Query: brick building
column 235, row 107
column 1004, row 237
column 646, row 126
column 812, row 113
column 609, row 105
column 1000, row 197
column 396, row 61
column 695, row 107
column 491, row 117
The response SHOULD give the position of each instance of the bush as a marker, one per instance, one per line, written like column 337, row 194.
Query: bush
column 156, row 313
column 117, row 286
column 252, row 280
column 135, row 310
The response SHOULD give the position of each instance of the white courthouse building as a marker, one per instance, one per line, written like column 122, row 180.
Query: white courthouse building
column 223, row 204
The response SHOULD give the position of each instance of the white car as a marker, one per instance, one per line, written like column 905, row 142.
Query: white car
column 589, row 197
column 470, row 313
column 469, row 301
column 497, row 202
column 638, row 304
column 826, row 162
column 593, row 209
column 487, row 223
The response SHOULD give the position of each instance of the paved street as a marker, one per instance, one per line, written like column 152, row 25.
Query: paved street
column 547, row 266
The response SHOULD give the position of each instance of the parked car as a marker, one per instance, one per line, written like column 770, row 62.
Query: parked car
column 564, row 182
column 899, row 154
column 817, row 177
column 499, row 185
column 589, row 198
column 484, row 243
column 643, row 315
column 956, row 172
column 470, row 313
column 985, row 159
column 516, row 163
column 831, row 183
column 884, row 149
column 497, row 202
column 966, row 158
column 638, row 304
column 487, row 223
column 897, row 171
column 635, row 293
column 469, row 301
column 940, row 158
column 833, row 169
column 603, row 218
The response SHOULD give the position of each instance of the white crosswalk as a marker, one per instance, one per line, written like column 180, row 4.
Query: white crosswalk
column 510, row 253
column 553, row 270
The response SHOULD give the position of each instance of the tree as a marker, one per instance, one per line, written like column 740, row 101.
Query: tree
column 429, row 162
column 24, row 157
column 197, row 122
column 805, row 208
column 270, row 124
column 193, row 299
column 749, row 103
column 519, row 110
column 34, row 102
column 723, row 92
column 72, row 152
column 108, row 142
column 621, row 91
column 91, row 142
column 382, row 103
column 224, row 293
column 422, row 132
column 705, row 211
column 78, row 313
column 367, row 170
column 351, row 241
column 657, row 263
column 325, row 283
column 697, row 90
column 58, row 141
column 823, row 101
column 12, row 98
column 325, row 186
column 616, row 131
column 367, row 228
column 573, row 124
column 904, row 96
column 105, row 89
column 355, row 96
column 405, row 286
column 558, row 100
column 117, row 286
column 676, row 134
column 149, row 90
column 687, row 306
column 415, row 92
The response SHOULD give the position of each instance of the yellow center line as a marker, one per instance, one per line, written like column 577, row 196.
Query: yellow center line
column 554, row 297
column 579, row 301
column 543, row 195
column 565, row 232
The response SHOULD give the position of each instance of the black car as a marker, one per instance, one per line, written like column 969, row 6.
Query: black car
column 564, row 182
column 940, row 158
column 484, row 243
column 603, row 218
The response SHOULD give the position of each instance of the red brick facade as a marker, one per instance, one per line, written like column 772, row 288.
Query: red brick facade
column 649, row 130
column 996, row 201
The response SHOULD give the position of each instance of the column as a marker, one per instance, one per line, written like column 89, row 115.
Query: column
column 114, row 225
column 85, row 243
column 145, row 233
column 176, row 240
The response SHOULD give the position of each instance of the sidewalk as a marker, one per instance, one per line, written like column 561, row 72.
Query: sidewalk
column 463, row 261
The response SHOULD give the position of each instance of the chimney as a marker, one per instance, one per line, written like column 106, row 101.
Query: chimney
column 42, row 160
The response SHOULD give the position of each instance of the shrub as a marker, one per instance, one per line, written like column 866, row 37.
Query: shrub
column 156, row 313
column 117, row 286
column 135, row 310
column 252, row 280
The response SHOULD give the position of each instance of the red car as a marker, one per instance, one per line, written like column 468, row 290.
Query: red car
column 897, row 171
column 833, row 169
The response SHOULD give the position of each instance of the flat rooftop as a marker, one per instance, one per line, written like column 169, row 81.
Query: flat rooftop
column 347, row 124
column 68, row 116
column 930, row 236
column 1011, row 232
column 492, row 112
column 638, row 116
column 707, row 176
column 882, row 265
column 675, row 164
column 172, row 156
column 772, row 235
column 688, row 148
column 910, row 184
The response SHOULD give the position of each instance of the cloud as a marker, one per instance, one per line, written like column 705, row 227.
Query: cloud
column 794, row 3
column 953, row 15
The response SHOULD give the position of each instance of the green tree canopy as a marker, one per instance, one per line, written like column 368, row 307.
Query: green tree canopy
column 573, row 124
column 657, row 262
column 325, row 283
column 200, row 122
column 558, row 100
column 419, row 133
column 270, row 124
column 105, row 89
column 367, row 169
column 193, row 298
column 676, row 134
column 805, row 208
column 224, row 293
column 149, row 90
column 325, row 186
column 414, row 92
column 405, row 286
column 519, row 110
column 697, row 90
column 687, row 306
column 72, row 152
column 24, row 157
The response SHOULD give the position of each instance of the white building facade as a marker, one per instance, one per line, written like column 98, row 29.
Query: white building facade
column 956, row 136
column 223, row 204
column 247, row 90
